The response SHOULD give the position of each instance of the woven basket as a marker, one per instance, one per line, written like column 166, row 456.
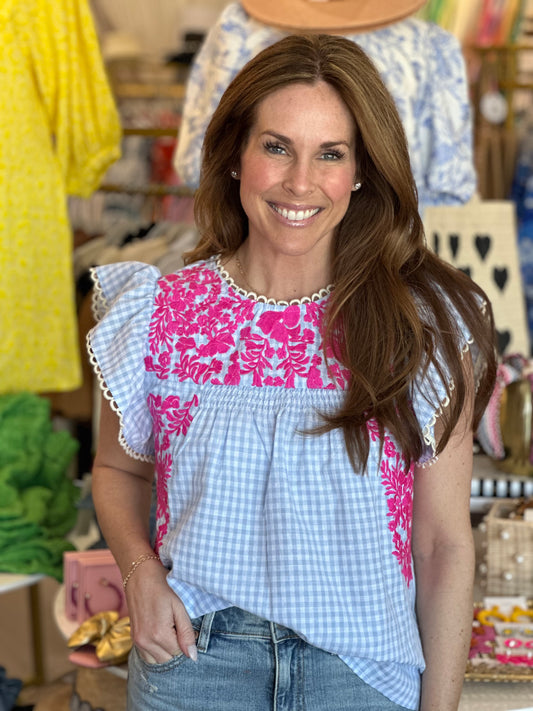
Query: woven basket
column 508, row 565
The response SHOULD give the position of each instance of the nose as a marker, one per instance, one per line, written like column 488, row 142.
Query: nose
column 299, row 178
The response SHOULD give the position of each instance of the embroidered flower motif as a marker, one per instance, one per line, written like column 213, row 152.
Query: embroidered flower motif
column 201, row 334
column 170, row 419
column 399, row 492
column 233, row 376
column 256, row 356
column 314, row 379
column 279, row 325
column 179, row 419
column 163, row 473
column 161, row 367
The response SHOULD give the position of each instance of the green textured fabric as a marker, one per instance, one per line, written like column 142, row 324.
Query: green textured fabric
column 37, row 499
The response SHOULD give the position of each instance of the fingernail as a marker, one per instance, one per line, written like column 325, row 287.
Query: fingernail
column 192, row 652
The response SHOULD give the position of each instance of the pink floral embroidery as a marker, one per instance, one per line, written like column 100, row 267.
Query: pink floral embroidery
column 279, row 325
column 399, row 492
column 257, row 355
column 314, row 379
column 179, row 420
column 190, row 366
column 169, row 419
column 160, row 367
column 163, row 473
column 201, row 334
column 314, row 313
column 233, row 376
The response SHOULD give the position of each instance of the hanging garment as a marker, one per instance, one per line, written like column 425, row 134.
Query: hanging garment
column 59, row 132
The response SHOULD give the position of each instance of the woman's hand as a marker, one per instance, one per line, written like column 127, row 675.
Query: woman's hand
column 160, row 626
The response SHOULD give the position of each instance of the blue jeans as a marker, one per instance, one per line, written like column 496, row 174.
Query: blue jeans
column 246, row 663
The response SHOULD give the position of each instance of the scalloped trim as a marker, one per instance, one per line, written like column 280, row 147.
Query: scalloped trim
column 99, row 303
column 264, row 299
column 429, row 439
column 114, row 406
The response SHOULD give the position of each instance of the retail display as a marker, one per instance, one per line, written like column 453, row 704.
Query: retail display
column 37, row 499
column 502, row 640
column 507, row 565
column 93, row 584
column 480, row 239
column 505, row 430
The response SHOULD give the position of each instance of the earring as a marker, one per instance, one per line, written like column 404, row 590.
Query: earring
column 356, row 186
column 234, row 174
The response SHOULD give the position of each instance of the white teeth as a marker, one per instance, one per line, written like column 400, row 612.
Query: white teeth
column 296, row 215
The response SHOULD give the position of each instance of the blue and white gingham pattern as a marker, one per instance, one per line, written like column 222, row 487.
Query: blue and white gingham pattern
column 262, row 516
column 120, row 368
column 421, row 64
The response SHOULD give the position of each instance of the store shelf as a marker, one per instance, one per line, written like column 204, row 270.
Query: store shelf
column 490, row 484
column 12, row 581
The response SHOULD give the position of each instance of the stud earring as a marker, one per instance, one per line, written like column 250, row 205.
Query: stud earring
column 234, row 174
column 356, row 186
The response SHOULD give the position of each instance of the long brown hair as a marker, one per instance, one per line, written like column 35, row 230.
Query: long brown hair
column 389, row 316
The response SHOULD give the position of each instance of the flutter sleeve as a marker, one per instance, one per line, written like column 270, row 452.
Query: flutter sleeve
column 123, row 304
column 429, row 393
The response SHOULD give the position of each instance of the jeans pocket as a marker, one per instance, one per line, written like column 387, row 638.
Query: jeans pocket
column 157, row 667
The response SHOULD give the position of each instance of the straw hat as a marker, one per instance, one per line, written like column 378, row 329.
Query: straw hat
column 331, row 15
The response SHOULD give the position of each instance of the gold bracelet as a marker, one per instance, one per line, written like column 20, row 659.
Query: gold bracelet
column 136, row 563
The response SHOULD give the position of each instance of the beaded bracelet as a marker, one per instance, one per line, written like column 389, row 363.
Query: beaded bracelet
column 136, row 563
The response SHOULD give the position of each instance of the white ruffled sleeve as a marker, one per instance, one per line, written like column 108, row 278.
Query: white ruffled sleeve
column 118, row 345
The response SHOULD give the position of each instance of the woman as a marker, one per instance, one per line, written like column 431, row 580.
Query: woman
column 311, row 368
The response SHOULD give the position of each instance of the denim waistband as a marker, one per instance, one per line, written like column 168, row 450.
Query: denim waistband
column 234, row 621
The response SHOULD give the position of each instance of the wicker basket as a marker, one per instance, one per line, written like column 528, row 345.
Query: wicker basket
column 508, row 565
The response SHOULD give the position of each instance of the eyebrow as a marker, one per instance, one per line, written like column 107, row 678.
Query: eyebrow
column 286, row 139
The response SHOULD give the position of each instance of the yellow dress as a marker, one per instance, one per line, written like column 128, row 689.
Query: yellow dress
column 59, row 132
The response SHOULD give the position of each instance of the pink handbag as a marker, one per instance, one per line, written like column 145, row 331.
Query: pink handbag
column 93, row 583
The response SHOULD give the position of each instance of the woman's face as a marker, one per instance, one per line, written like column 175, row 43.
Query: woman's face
column 297, row 170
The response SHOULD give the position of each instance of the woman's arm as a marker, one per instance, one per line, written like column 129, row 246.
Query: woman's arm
column 443, row 552
column 122, row 488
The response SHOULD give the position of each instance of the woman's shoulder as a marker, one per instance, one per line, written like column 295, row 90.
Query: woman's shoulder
column 124, row 287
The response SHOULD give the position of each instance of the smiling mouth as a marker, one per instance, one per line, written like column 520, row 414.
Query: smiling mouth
column 295, row 215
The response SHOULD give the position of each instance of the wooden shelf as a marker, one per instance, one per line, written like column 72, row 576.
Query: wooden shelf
column 149, row 91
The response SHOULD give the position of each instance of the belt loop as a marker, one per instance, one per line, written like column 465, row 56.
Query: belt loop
column 205, row 632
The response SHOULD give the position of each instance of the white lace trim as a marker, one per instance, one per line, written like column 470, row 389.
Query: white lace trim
column 429, row 438
column 264, row 299
column 99, row 303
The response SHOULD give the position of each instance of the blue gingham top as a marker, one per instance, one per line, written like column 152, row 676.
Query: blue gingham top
column 219, row 389
column 421, row 64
